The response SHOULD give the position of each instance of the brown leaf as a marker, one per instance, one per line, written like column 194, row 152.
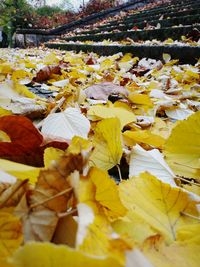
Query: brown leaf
column 41, row 207
column 45, row 73
column 10, row 195
column 38, row 224
column 26, row 144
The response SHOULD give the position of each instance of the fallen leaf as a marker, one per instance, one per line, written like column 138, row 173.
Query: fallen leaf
column 46, row 73
column 107, row 144
column 150, row 161
column 106, row 194
column 140, row 99
column 26, row 141
column 162, row 255
column 143, row 137
column 146, row 196
column 125, row 116
column 10, row 234
column 20, row 171
column 51, row 255
column 12, row 194
column 182, row 148
column 102, row 91
column 66, row 124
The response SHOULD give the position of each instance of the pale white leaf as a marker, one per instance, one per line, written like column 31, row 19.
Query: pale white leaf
column 156, row 93
column 61, row 83
column 179, row 113
column 7, row 178
column 152, row 162
column 85, row 218
column 66, row 124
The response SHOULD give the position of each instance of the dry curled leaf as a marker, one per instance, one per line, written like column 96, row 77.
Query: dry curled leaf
column 45, row 73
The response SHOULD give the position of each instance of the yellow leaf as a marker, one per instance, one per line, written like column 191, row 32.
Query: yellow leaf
column 174, row 255
column 5, row 69
column 4, row 137
column 192, row 188
column 47, row 254
column 78, row 144
column 30, row 65
column 10, row 234
column 169, row 41
column 74, row 60
column 182, row 149
column 108, row 146
column 20, row 171
column 145, row 137
column 23, row 90
column 95, row 235
column 106, row 193
column 189, row 234
column 192, row 74
column 127, row 57
column 4, row 112
column 107, row 64
column 162, row 128
column 51, row 155
column 164, row 208
column 140, row 99
column 133, row 229
column 111, row 111
column 21, row 74
column 50, row 59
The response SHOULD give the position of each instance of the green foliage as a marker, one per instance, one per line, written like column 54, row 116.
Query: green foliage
column 48, row 10
column 14, row 14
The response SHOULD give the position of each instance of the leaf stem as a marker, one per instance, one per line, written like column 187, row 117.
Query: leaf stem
column 51, row 198
column 187, row 181
column 65, row 214
column 191, row 216
column 119, row 171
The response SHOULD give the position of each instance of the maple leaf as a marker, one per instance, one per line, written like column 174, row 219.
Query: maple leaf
column 182, row 148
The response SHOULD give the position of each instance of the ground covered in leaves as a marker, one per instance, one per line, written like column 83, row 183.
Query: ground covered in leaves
column 99, row 160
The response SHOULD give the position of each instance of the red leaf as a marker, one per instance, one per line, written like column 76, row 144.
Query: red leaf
column 26, row 144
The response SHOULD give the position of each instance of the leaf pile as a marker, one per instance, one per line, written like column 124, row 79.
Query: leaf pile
column 105, row 171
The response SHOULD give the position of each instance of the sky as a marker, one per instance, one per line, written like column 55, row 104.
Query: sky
column 75, row 3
